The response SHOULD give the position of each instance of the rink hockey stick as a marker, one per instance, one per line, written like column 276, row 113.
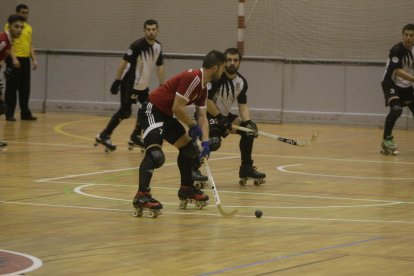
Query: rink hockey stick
column 215, row 193
column 279, row 138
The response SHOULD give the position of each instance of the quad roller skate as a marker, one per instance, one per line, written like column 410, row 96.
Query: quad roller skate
column 249, row 171
column 199, row 179
column 144, row 201
column 136, row 142
column 3, row 146
column 389, row 147
column 104, row 141
column 188, row 194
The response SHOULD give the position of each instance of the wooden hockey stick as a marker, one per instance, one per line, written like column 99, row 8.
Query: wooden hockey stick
column 215, row 193
column 279, row 138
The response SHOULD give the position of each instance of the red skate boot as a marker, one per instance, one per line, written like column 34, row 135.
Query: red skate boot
column 188, row 194
column 144, row 201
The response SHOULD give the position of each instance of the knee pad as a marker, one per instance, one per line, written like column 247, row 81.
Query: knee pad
column 215, row 143
column 395, row 109
column 157, row 156
column 190, row 150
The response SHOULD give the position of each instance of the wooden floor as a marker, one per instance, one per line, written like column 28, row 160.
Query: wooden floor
column 338, row 207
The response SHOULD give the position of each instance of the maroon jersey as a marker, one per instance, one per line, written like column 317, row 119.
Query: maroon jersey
column 188, row 85
column 5, row 45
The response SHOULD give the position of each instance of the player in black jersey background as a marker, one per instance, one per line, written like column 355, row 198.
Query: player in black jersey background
column 132, row 80
column 397, row 85
column 230, row 88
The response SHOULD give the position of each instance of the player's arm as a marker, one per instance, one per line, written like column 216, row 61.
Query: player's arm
column 203, row 122
column 161, row 74
column 180, row 111
column 244, row 112
column 120, row 69
column 212, row 108
column 399, row 72
column 33, row 56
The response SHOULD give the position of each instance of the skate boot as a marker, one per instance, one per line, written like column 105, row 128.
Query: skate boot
column 144, row 201
column 199, row 179
column 389, row 147
column 188, row 194
column 136, row 142
column 249, row 171
column 3, row 146
column 105, row 141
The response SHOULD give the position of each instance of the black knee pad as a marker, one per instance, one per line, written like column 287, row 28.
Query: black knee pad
column 395, row 109
column 190, row 150
column 215, row 143
column 157, row 156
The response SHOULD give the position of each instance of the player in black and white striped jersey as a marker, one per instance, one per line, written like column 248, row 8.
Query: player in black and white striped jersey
column 397, row 85
column 232, row 87
column 132, row 80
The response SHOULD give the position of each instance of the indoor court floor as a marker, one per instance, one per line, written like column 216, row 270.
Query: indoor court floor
column 336, row 207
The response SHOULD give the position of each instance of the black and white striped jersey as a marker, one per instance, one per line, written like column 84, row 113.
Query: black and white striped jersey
column 142, row 58
column 399, row 57
column 225, row 92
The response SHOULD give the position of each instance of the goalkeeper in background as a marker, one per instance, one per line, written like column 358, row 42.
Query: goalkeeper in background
column 231, row 87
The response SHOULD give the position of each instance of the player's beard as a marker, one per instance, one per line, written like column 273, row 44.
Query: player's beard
column 232, row 69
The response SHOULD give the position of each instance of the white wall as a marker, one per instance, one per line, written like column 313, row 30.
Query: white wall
column 278, row 91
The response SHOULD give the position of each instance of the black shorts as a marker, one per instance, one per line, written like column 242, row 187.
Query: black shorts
column 157, row 126
column 215, row 128
column 405, row 95
column 128, row 96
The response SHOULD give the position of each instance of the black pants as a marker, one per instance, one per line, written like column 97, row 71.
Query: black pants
column 19, row 83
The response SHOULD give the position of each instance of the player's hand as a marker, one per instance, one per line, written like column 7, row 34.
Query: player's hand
column 223, row 122
column 195, row 133
column 116, row 87
column 205, row 151
column 250, row 125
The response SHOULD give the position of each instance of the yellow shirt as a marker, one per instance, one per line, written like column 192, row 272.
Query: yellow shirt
column 22, row 45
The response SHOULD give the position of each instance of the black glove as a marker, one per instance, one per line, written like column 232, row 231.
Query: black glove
column 250, row 125
column 223, row 122
column 9, row 72
column 116, row 87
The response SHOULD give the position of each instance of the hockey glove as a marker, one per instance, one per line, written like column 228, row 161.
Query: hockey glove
column 250, row 125
column 205, row 152
column 195, row 133
column 116, row 87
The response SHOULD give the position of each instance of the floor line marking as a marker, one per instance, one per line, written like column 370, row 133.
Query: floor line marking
column 282, row 168
column 200, row 213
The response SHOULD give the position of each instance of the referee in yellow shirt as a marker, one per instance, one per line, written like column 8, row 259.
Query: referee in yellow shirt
column 18, row 69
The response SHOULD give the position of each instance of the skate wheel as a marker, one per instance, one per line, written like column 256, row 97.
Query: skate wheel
column 199, row 184
column 242, row 182
column 183, row 204
column 95, row 144
column 152, row 214
column 259, row 182
column 130, row 148
column 200, row 204
column 142, row 150
column 137, row 213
